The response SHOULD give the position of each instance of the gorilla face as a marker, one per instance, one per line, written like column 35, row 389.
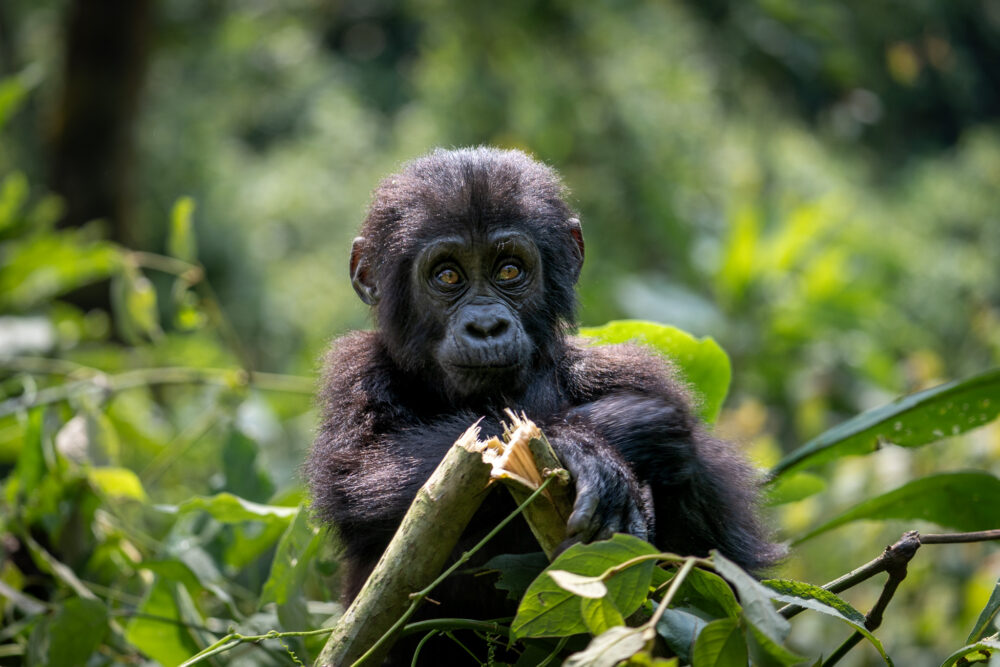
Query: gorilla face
column 479, row 289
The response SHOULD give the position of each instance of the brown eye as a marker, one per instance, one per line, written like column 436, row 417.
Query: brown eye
column 449, row 277
column 507, row 273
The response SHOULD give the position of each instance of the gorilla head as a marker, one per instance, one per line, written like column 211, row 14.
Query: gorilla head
column 470, row 258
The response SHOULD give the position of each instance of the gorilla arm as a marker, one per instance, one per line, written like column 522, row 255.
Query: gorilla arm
column 702, row 491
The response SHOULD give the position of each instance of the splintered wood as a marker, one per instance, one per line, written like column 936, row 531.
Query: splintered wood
column 521, row 460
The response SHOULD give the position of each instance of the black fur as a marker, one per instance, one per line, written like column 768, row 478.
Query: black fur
column 392, row 404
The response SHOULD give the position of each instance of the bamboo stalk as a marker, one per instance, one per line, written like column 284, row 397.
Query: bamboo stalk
column 417, row 553
column 438, row 516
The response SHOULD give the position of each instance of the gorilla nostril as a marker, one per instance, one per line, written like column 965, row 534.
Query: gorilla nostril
column 499, row 328
column 487, row 327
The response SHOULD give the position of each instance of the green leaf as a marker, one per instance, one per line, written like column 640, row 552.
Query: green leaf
column 41, row 267
column 134, row 301
column 117, row 483
column 165, row 641
column 227, row 508
column 599, row 614
column 765, row 652
column 292, row 560
column 585, row 587
column 986, row 616
column 980, row 651
column 965, row 501
column 13, row 196
column 825, row 602
column 30, row 466
column 609, row 648
column 755, row 598
column 644, row 659
column 911, row 421
column 517, row 571
column 708, row 593
column 680, row 629
column 794, row 487
column 244, row 477
column 549, row 611
column 71, row 636
column 701, row 362
column 720, row 644
column 813, row 597
column 181, row 242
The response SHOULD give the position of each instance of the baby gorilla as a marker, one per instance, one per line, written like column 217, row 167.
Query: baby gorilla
column 469, row 259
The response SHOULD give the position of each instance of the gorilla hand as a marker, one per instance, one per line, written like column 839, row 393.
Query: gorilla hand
column 609, row 498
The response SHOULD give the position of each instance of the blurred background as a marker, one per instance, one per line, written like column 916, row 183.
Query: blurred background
column 815, row 185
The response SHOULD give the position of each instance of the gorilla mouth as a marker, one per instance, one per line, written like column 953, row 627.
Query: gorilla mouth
column 485, row 366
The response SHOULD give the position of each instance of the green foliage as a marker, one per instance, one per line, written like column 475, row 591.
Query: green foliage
column 964, row 500
column 701, row 362
column 911, row 421
column 987, row 617
column 156, row 471
column 550, row 610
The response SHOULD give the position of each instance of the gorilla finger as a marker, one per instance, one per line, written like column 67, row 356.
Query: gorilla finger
column 607, row 530
column 636, row 522
column 581, row 521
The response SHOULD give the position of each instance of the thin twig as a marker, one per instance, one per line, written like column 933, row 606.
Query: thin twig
column 234, row 639
column 843, row 649
column 492, row 627
column 109, row 384
column 894, row 561
column 956, row 538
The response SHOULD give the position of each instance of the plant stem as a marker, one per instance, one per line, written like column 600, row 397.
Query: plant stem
column 492, row 627
column 235, row 639
column 678, row 579
column 106, row 383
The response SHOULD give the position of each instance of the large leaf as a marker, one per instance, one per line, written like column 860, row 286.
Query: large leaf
column 117, row 483
column 39, row 268
column 794, row 487
column 825, row 602
column 158, row 631
column 964, row 501
column 986, row 617
column 517, row 571
column 548, row 610
column 720, row 644
column 227, row 508
column 978, row 652
column 701, row 362
column 71, row 636
column 292, row 560
column 708, row 594
column 680, row 629
column 600, row 614
column 608, row 649
column 181, row 241
column 765, row 652
column 910, row 421
column 755, row 598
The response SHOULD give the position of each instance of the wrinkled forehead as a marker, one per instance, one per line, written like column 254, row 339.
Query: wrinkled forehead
column 481, row 221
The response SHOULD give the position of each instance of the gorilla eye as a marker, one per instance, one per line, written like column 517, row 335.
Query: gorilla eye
column 508, row 272
column 448, row 277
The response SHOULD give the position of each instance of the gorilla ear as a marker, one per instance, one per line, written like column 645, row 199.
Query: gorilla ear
column 361, row 274
column 577, row 232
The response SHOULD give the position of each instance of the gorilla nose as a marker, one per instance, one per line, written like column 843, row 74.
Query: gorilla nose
column 485, row 325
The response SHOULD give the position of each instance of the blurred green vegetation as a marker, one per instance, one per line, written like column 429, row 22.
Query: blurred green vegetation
column 817, row 187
